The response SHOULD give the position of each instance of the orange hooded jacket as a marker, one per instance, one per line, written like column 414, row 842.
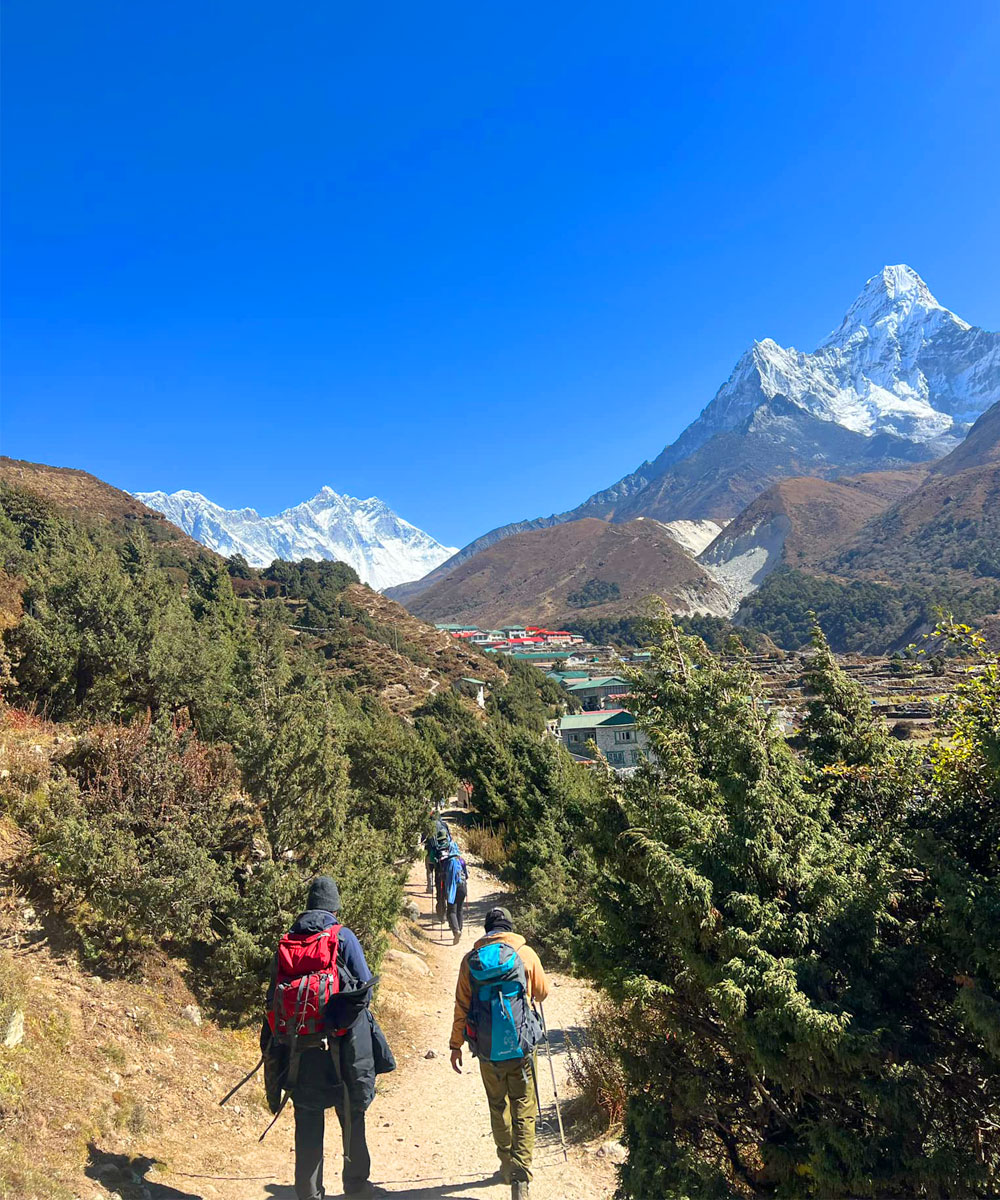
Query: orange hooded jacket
column 538, row 987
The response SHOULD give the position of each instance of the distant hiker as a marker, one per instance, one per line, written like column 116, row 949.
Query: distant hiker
column 433, row 846
column 321, row 1045
column 442, row 842
column 430, row 861
column 498, row 981
column 455, row 888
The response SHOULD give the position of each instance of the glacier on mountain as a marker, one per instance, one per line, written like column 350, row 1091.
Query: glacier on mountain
column 366, row 534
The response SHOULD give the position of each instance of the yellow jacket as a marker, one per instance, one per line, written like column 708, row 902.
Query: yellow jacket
column 538, row 987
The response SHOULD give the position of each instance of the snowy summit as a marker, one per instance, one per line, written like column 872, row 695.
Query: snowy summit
column 899, row 363
column 366, row 534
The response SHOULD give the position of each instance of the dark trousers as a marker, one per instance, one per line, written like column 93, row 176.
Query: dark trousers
column 456, row 910
column 309, row 1127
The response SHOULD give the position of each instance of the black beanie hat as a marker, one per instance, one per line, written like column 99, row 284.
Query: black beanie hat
column 324, row 894
column 499, row 919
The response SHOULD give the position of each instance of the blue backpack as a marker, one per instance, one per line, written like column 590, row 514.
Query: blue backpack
column 501, row 1023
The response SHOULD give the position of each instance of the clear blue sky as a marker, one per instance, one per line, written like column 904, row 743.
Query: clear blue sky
column 477, row 259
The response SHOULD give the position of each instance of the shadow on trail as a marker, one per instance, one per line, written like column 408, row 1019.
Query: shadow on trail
column 127, row 1176
column 402, row 1188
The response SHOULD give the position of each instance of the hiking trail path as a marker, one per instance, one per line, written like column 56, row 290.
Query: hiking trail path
column 428, row 1128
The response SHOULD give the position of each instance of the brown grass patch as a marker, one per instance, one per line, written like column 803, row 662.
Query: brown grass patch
column 487, row 842
column 595, row 1069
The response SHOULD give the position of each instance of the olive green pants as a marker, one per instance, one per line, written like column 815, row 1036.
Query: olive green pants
column 510, row 1089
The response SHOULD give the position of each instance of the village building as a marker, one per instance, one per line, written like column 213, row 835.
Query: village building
column 595, row 693
column 614, row 732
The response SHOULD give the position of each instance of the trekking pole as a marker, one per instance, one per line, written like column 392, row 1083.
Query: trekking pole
column 555, row 1089
column 246, row 1079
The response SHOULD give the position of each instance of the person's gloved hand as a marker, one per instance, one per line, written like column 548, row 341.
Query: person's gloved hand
column 456, row 1061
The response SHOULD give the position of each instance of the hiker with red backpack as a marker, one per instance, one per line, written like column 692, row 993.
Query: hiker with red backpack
column 499, row 982
column 321, row 1046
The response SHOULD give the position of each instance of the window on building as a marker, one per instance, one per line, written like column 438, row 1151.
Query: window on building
column 616, row 758
column 624, row 735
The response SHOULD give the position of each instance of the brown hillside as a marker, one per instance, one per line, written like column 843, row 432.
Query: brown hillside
column 529, row 576
column 980, row 447
column 86, row 496
column 947, row 529
column 812, row 518
column 426, row 658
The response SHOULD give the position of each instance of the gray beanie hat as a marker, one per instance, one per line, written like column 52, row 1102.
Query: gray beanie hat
column 324, row 894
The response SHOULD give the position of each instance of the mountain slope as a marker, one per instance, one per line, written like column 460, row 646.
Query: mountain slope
column 366, row 534
column 87, row 497
column 529, row 577
column 901, row 373
column 797, row 523
column 948, row 528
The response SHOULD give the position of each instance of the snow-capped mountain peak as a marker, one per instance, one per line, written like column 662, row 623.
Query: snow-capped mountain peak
column 899, row 363
column 384, row 549
column 896, row 296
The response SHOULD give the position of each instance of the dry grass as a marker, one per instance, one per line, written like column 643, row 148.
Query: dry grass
column 487, row 842
column 108, row 1064
column 595, row 1069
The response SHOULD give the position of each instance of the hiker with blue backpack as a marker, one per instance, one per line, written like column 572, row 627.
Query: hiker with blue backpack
column 499, row 982
column 455, row 889
column 320, row 1044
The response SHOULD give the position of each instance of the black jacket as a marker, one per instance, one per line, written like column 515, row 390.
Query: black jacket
column 354, row 1058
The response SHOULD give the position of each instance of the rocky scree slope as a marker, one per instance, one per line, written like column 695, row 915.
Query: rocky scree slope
column 799, row 523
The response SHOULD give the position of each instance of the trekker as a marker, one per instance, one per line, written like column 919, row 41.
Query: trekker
column 442, row 851
column 430, row 861
column 433, row 845
column 455, row 887
column 498, row 982
column 321, row 1045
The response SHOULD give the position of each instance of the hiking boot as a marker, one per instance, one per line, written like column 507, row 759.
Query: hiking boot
column 456, row 938
column 366, row 1189
column 518, row 1191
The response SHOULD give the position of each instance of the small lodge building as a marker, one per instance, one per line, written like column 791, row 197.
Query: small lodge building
column 594, row 693
column 614, row 732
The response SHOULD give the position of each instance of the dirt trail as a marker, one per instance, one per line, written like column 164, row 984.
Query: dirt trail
column 428, row 1128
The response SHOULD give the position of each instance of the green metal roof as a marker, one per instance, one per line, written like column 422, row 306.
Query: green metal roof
column 592, row 720
column 457, row 628
column 543, row 655
column 581, row 685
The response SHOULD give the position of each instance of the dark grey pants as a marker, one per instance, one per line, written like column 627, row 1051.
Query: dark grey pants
column 456, row 910
column 310, row 1125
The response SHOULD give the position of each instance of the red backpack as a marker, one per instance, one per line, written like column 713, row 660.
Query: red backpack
column 307, row 978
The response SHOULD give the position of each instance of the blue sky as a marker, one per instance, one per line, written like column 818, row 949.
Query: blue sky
column 479, row 260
